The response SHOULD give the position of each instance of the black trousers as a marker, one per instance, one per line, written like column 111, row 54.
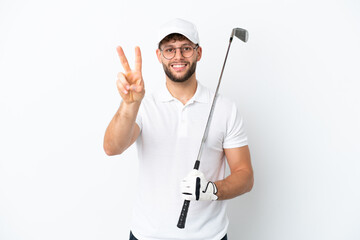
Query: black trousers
column 132, row 237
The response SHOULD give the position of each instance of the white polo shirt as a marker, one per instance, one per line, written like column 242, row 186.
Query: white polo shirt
column 168, row 146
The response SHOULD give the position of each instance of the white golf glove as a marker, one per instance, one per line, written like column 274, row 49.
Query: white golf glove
column 195, row 187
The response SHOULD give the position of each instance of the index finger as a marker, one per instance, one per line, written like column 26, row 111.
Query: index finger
column 123, row 60
column 138, row 59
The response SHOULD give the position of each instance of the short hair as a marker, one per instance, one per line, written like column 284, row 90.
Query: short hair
column 172, row 37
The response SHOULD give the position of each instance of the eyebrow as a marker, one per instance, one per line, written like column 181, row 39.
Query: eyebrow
column 170, row 45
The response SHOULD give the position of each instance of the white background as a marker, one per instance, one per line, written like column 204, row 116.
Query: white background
column 296, row 83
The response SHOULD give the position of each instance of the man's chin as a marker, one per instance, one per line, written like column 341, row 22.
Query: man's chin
column 180, row 77
column 178, row 80
column 177, row 77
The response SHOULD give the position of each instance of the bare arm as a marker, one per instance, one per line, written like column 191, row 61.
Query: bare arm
column 241, row 178
column 122, row 130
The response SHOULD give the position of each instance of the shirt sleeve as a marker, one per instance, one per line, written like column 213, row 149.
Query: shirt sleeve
column 235, row 132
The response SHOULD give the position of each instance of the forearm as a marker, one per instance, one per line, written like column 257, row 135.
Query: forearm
column 119, row 133
column 235, row 184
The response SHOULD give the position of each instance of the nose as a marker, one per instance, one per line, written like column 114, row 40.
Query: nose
column 178, row 54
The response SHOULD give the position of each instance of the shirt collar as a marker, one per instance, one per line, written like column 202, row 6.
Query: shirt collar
column 201, row 95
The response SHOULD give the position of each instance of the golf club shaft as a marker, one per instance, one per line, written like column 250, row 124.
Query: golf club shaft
column 186, row 204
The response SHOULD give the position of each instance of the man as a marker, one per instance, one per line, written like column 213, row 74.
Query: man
column 168, row 127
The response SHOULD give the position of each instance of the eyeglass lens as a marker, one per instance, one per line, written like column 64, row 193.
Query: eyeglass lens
column 170, row 52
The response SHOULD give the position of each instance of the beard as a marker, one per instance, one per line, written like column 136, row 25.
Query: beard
column 184, row 78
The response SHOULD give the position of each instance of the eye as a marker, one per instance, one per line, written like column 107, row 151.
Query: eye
column 187, row 48
column 169, row 50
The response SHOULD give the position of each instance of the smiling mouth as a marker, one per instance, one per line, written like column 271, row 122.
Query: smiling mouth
column 179, row 66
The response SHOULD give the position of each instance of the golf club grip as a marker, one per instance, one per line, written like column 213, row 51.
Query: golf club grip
column 183, row 215
column 186, row 204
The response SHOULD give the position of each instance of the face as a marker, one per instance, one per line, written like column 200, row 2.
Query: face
column 179, row 68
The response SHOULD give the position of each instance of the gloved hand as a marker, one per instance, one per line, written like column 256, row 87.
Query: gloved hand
column 195, row 187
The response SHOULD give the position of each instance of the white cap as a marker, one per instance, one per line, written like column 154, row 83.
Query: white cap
column 180, row 26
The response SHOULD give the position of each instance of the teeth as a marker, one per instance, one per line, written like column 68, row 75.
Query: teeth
column 178, row 66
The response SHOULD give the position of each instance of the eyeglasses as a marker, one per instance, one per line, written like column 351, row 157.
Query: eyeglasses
column 186, row 51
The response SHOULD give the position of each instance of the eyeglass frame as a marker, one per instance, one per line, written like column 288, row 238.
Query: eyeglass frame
column 194, row 48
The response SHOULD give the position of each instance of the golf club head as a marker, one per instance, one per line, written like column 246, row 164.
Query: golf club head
column 240, row 33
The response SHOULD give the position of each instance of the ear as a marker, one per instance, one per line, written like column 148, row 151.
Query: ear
column 199, row 53
column 158, row 54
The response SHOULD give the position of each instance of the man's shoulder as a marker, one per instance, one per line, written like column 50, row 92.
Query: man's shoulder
column 151, row 101
column 159, row 94
column 225, row 100
column 149, row 97
column 225, row 104
column 221, row 98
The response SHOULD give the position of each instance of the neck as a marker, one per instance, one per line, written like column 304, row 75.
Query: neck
column 183, row 91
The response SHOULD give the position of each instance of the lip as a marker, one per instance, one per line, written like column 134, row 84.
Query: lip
column 178, row 67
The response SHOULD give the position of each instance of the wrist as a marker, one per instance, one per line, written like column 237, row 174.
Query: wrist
column 130, row 105
column 213, row 191
column 129, row 110
column 218, row 190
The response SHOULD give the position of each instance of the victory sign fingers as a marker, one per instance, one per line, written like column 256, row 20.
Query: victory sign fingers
column 130, row 84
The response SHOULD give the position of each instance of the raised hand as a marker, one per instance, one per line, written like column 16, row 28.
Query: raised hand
column 130, row 84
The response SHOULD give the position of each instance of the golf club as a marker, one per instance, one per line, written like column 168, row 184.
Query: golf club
column 243, row 35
